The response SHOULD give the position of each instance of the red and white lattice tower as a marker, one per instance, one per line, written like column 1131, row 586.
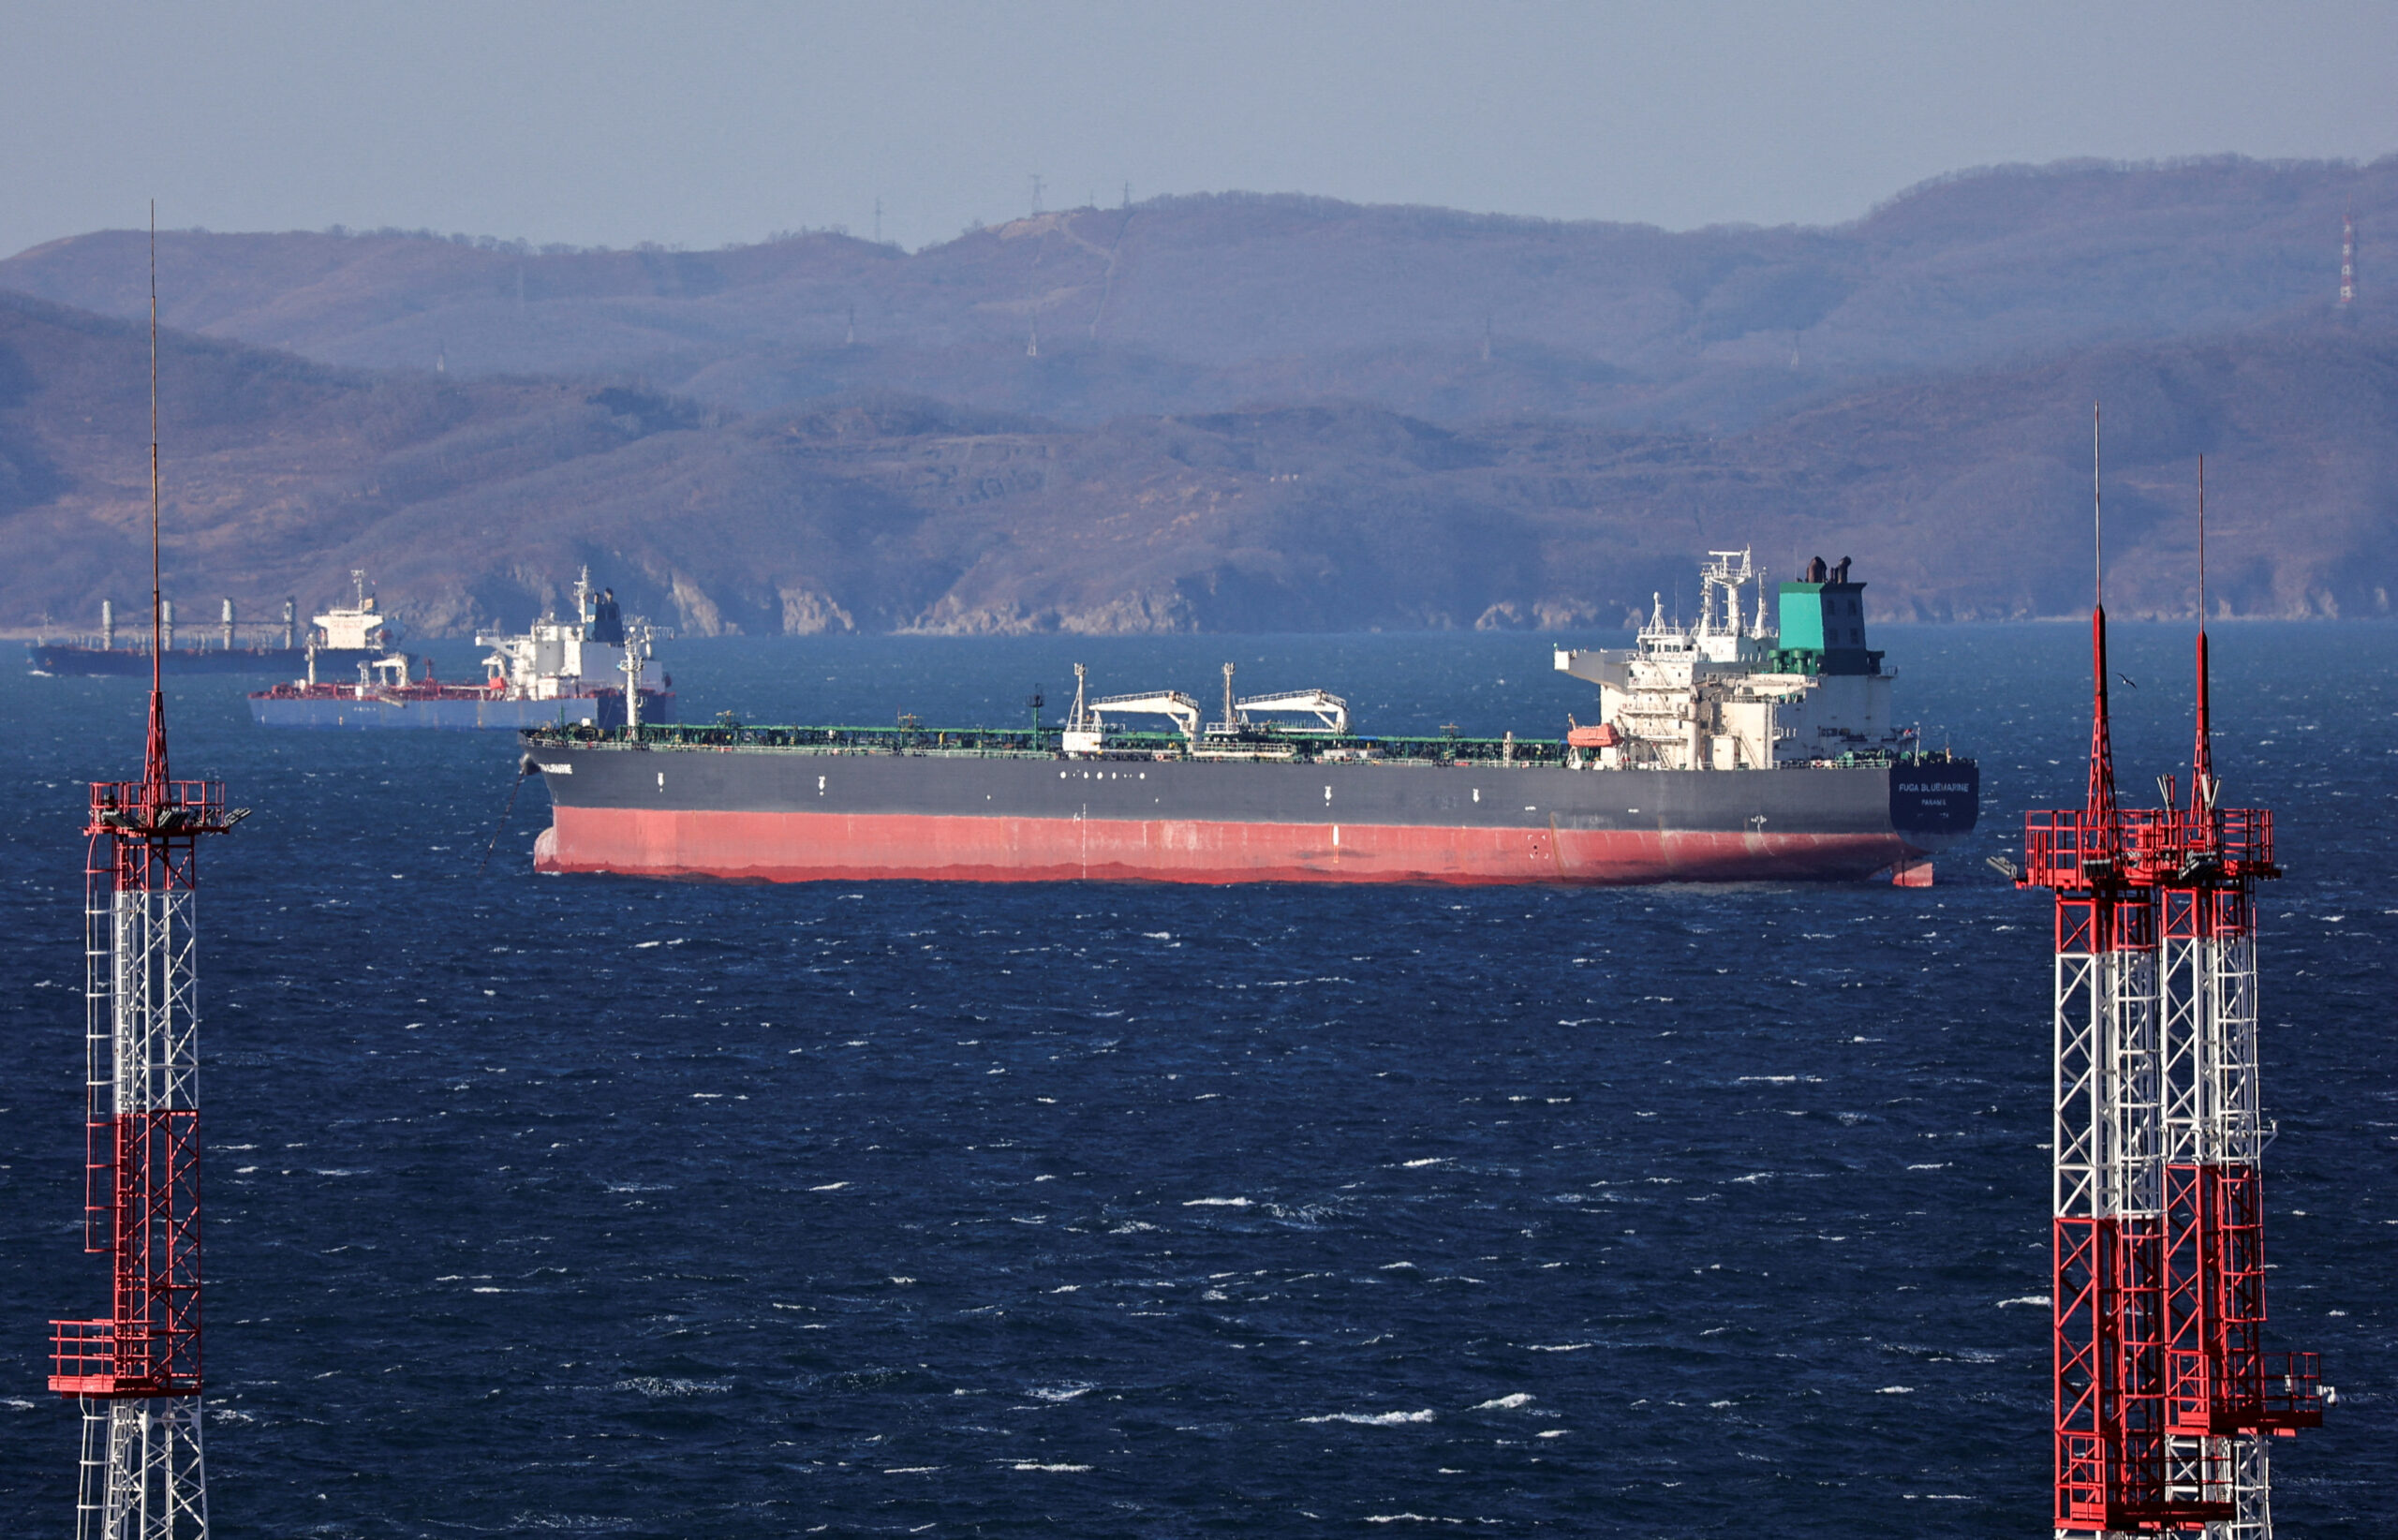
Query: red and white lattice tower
column 137, row 1371
column 2164, row 1395
column 2226, row 1396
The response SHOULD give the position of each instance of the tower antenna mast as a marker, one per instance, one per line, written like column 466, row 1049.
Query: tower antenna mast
column 2165, row 1400
column 2202, row 750
column 2101, row 799
column 136, row 1372
column 2348, row 258
column 153, row 766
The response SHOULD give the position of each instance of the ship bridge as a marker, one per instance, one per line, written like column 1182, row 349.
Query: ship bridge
column 1733, row 692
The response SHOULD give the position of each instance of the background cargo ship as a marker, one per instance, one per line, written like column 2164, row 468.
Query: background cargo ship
column 1730, row 751
column 339, row 639
column 578, row 672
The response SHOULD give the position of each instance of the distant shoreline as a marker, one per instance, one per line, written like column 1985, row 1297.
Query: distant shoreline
column 31, row 635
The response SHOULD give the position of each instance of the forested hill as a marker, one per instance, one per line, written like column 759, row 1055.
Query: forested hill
column 1961, row 493
column 1205, row 303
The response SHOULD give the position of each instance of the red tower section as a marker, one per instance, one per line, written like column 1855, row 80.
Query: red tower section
column 136, row 1370
column 2165, row 1396
column 141, row 1113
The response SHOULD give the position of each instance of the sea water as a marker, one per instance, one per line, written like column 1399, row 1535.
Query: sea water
column 590, row 1206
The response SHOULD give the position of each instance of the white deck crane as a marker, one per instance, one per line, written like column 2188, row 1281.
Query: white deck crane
column 1326, row 707
column 1162, row 702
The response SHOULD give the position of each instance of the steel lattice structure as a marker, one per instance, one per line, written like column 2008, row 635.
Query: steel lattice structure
column 2165, row 1399
column 136, row 1370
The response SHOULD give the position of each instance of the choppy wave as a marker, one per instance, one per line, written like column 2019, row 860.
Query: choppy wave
column 1699, row 1249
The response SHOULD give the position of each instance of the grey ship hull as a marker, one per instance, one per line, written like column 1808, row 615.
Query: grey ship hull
column 789, row 814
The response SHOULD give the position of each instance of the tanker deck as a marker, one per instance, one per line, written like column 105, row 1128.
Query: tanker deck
column 852, row 804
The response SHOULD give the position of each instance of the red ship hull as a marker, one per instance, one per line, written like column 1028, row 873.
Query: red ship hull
column 797, row 847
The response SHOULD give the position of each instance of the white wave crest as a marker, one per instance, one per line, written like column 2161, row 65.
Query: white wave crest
column 1060, row 1392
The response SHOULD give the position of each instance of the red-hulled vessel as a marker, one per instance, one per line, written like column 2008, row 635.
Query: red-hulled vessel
column 1731, row 751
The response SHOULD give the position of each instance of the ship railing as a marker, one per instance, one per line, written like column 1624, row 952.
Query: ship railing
column 1500, row 752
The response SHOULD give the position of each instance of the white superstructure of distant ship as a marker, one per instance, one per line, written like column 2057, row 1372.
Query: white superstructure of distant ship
column 1733, row 693
column 588, row 672
column 359, row 626
column 596, row 650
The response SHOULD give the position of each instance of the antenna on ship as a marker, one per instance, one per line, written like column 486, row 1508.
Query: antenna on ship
column 1232, row 722
column 637, row 639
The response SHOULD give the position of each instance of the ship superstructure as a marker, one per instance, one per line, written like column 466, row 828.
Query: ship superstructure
column 1730, row 753
column 337, row 640
column 358, row 626
column 596, row 649
column 591, row 670
column 1735, row 691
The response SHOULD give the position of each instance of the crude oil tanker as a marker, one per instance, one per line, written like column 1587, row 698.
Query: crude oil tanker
column 1734, row 749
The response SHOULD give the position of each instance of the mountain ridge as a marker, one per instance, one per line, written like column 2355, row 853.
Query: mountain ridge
column 473, row 500
column 1213, row 302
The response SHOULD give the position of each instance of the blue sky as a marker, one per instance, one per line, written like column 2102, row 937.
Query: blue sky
column 701, row 124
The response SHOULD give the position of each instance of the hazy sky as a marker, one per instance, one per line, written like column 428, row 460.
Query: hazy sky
column 699, row 124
